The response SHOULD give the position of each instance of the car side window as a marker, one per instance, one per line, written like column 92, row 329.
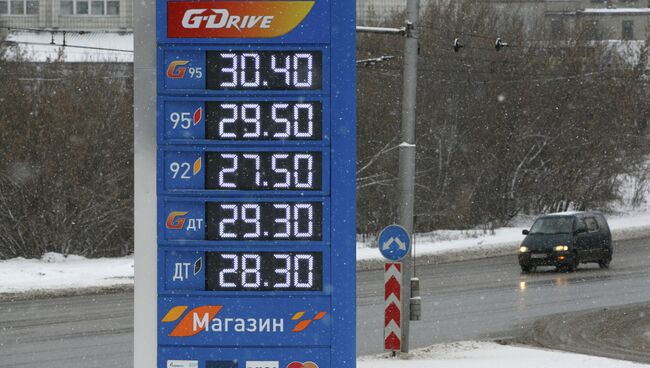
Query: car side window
column 592, row 224
column 580, row 226
column 602, row 223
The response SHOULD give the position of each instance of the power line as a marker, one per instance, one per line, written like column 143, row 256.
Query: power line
column 52, row 32
column 475, row 35
column 492, row 61
column 373, row 61
column 534, row 77
column 12, row 43
column 462, row 56
column 459, row 56
column 494, row 39
column 504, row 81
column 56, row 30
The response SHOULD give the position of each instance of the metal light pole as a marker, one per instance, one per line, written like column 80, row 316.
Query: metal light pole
column 407, row 154
column 145, row 322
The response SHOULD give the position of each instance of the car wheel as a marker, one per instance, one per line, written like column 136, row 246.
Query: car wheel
column 604, row 263
column 573, row 266
column 526, row 269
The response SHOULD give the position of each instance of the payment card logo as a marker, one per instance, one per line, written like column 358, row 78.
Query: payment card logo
column 235, row 19
column 302, row 365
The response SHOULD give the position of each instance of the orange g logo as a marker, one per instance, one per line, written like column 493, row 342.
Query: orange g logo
column 176, row 69
column 176, row 221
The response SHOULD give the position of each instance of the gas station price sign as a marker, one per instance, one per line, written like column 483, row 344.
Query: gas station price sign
column 256, row 184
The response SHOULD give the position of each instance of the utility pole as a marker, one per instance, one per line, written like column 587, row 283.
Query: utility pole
column 407, row 154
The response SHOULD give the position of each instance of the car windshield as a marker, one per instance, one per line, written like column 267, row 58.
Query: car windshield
column 553, row 225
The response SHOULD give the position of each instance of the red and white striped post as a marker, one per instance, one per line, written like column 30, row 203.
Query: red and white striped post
column 393, row 312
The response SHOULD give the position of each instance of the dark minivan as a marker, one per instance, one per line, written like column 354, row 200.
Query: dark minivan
column 565, row 240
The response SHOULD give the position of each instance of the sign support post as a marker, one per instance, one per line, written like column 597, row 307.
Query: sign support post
column 145, row 185
column 394, row 245
column 393, row 305
column 407, row 153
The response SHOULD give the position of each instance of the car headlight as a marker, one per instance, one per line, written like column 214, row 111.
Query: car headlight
column 561, row 248
column 523, row 249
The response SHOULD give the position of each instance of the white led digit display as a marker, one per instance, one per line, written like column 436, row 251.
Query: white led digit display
column 264, row 171
column 258, row 121
column 264, row 221
column 264, row 271
column 264, row 70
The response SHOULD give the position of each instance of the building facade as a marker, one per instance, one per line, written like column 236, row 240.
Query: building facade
column 105, row 15
column 613, row 19
column 603, row 23
column 610, row 19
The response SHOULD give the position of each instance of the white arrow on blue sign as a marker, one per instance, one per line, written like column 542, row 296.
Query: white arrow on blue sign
column 394, row 243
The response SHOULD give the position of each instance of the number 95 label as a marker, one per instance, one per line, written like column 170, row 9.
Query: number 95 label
column 184, row 70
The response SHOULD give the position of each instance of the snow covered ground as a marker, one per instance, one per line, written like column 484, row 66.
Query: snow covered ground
column 447, row 241
column 489, row 355
column 55, row 272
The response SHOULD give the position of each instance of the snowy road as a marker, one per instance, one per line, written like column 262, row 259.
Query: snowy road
column 461, row 301
column 491, row 298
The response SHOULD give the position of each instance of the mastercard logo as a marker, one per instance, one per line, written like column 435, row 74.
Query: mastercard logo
column 303, row 365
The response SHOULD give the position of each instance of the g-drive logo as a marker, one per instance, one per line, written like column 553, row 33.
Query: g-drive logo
column 195, row 19
column 235, row 19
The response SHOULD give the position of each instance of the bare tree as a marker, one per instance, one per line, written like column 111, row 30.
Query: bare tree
column 541, row 125
column 66, row 162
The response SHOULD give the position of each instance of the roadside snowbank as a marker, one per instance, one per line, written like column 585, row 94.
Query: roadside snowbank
column 55, row 272
column 453, row 245
column 489, row 355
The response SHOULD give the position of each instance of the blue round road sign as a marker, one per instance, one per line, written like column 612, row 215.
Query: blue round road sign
column 394, row 243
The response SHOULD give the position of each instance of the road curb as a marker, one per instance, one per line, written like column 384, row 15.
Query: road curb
column 615, row 332
column 64, row 293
